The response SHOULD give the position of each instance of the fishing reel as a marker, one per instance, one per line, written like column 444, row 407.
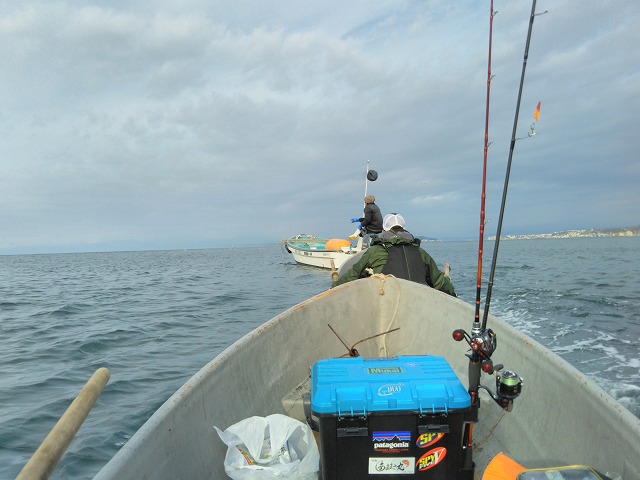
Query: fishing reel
column 483, row 343
column 508, row 388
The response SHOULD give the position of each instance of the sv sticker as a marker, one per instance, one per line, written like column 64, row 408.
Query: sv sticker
column 427, row 439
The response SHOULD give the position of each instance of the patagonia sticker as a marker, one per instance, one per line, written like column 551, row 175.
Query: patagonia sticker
column 391, row 465
column 431, row 459
column 427, row 439
column 391, row 442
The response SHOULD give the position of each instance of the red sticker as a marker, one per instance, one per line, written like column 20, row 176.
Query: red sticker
column 431, row 459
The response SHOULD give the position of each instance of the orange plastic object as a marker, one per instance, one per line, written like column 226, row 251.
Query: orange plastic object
column 337, row 244
column 502, row 468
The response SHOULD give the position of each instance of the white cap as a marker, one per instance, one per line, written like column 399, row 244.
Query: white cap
column 392, row 220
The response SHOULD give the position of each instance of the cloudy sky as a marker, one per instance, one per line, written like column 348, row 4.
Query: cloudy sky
column 200, row 123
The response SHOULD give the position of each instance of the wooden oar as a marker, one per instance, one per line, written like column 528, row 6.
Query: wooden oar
column 49, row 453
column 334, row 272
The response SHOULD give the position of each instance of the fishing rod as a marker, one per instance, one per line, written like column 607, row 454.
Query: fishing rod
column 483, row 341
column 475, row 339
column 508, row 172
column 484, row 175
column 474, row 361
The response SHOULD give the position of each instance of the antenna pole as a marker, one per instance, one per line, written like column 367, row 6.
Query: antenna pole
column 366, row 179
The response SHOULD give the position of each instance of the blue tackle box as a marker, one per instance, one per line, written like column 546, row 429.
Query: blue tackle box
column 397, row 417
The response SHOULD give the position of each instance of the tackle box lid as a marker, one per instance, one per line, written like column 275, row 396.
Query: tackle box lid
column 356, row 386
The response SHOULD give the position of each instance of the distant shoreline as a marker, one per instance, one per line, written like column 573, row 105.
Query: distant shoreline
column 593, row 232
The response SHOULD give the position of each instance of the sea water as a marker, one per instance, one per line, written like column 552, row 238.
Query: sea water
column 155, row 318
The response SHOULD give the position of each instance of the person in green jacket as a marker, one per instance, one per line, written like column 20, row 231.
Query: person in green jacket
column 396, row 252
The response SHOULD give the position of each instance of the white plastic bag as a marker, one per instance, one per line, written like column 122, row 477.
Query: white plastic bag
column 276, row 446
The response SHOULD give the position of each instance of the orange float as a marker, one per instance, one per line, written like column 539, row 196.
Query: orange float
column 337, row 244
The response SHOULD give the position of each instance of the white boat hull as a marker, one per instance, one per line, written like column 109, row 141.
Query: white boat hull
column 321, row 258
column 310, row 250
column 561, row 417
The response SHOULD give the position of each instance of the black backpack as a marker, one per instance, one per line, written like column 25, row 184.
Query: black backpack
column 405, row 262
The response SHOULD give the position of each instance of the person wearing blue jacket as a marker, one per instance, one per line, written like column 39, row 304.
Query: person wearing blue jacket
column 372, row 221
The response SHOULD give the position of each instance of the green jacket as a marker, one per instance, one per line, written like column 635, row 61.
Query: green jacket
column 375, row 257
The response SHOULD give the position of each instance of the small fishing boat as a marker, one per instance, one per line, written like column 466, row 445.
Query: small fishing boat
column 330, row 253
column 560, row 418
column 322, row 252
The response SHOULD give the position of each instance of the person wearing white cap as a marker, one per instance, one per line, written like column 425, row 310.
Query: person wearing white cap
column 397, row 252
